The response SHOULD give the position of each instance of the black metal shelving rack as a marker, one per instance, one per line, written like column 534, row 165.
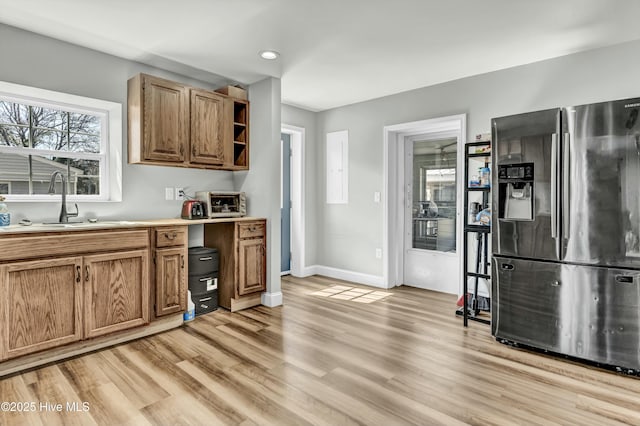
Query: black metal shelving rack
column 482, row 232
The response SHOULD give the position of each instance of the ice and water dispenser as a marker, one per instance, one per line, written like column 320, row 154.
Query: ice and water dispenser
column 516, row 191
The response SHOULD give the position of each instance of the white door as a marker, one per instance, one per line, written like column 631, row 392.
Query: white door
column 432, row 200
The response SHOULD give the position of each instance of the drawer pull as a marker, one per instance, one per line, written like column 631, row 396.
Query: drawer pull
column 86, row 273
column 252, row 229
column 205, row 279
column 171, row 236
column 204, row 259
column 78, row 274
column 555, row 283
column 182, row 258
column 625, row 279
column 507, row 267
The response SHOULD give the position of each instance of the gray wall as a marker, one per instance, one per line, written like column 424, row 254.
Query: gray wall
column 33, row 60
column 351, row 233
column 262, row 181
column 298, row 117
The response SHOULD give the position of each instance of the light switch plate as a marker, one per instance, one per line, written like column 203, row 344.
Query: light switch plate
column 378, row 253
column 376, row 197
column 168, row 194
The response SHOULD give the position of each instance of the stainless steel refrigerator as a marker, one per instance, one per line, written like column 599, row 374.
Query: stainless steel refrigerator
column 565, row 231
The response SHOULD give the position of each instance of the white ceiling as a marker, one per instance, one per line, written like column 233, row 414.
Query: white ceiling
column 334, row 52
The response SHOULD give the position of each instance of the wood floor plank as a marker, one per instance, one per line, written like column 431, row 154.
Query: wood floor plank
column 404, row 359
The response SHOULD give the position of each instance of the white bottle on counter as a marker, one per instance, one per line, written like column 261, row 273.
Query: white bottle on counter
column 191, row 308
column 5, row 216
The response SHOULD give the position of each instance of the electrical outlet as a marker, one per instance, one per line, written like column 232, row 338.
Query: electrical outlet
column 180, row 194
column 378, row 253
column 168, row 193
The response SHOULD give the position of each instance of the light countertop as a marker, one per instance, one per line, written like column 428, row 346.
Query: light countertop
column 114, row 224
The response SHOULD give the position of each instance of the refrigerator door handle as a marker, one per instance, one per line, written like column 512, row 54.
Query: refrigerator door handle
column 554, row 193
column 554, row 185
column 566, row 194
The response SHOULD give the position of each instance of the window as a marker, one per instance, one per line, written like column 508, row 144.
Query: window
column 42, row 132
column 434, row 194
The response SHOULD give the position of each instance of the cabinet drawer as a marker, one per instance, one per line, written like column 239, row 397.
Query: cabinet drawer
column 173, row 236
column 251, row 230
column 71, row 243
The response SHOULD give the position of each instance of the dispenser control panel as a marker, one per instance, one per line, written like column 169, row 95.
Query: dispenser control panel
column 516, row 192
column 523, row 171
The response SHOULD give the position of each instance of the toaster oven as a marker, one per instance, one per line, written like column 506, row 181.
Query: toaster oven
column 223, row 204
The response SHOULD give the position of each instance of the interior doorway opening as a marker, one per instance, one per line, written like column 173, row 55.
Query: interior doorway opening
column 422, row 210
column 295, row 228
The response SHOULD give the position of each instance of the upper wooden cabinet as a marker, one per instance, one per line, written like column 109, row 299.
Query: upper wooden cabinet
column 158, row 120
column 208, row 130
column 176, row 125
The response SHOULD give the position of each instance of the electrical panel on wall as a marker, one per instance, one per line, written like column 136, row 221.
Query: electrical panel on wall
column 338, row 167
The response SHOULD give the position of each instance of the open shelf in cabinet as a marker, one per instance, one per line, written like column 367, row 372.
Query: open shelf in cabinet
column 240, row 134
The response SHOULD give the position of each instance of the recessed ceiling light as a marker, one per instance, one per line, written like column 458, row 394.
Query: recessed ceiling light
column 269, row 54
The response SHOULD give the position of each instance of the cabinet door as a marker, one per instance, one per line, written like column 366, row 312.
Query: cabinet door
column 166, row 131
column 251, row 266
column 208, row 133
column 116, row 291
column 171, row 292
column 41, row 305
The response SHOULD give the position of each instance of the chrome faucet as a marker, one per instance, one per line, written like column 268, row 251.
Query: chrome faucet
column 64, row 214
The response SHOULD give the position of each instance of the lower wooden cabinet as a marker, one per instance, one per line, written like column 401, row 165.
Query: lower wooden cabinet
column 116, row 292
column 41, row 305
column 243, row 273
column 170, row 277
column 66, row 296
column 251, row 266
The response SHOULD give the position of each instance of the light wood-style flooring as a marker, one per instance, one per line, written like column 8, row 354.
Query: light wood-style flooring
column 396, row 359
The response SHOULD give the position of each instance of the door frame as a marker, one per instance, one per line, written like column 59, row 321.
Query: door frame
column 394, row 196
column 297, row 198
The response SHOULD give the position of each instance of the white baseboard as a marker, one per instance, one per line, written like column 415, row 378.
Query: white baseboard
column 343, row 274
column 271, row 299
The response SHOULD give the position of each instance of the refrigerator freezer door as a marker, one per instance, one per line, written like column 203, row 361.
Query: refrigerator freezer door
column 587, row 312
column 520, row 140
column 601, row 176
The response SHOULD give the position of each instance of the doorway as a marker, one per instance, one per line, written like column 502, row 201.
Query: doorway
column 430, row 172
column 422, row 229
column 296, row 238
column 285, row 204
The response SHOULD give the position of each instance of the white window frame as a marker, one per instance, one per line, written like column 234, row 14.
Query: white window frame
column 110, row 155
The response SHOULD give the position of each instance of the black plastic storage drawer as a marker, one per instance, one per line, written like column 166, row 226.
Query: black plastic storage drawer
column 205, row 283
column 203, row 260
column 205, row 303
